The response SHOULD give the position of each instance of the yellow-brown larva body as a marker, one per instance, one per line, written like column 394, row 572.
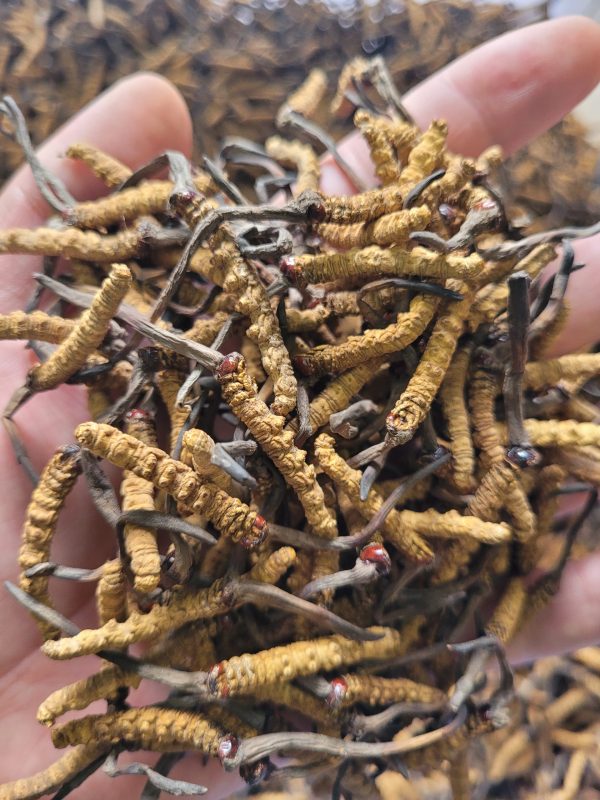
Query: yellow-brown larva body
column 364, row 207
column 456, row 414
column 169, row 382
column 80, row 694
column 47, row 500
column 53, row 777
column 73, row 243
column 559, row 433
column 372, row 262
column 337, row 394
column 296, row 699
column 459, row 776
column 198, row 447
column 305, row 320
column 375, row 691
column 251, row 353
column 543, row 335
column 476, row 725
column 138, row 494
column 573, row 777
column 108, row 168
column 458, row 172
column 268, row 429
column 228, row 514
column 300, row 155
column 389, row 229
column 426, row 155
column 505, row 622
column 87, row 334
column 374, row 343
column 270, row 568
column 306, row 98
column 242, row 674
column 36, row 325
column 159, row 729
column 410, row 543
column 111, row 593
column 147, row 199
column 340, row 105
column 415, row 402
column 386, row 144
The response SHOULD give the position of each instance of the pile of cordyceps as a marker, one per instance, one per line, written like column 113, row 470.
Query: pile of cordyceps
column 235, row 63
column 373, row 474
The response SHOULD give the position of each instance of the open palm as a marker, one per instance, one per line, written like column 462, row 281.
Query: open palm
column 506, row 92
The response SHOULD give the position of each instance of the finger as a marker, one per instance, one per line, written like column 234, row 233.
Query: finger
column 134, row 120
column 505, row 92
column 570, row 620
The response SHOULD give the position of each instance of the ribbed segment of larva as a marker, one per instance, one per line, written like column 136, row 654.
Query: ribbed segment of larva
column 73, row 243
column 228, row 514
column 242, row 674
column 54, row 776
column 252, row 301
column 270, row 568
column 111, row 592
column 388, row 143
column 82, row 693
column 337, row 394
column 147, row 199
column 547, row 503
column 295, row 699
column 415, row 402
column 374, row 343
column 253, row 361
column 138, row 494
column 392, row 228
column 454, row 407
column 198, row 446
column 426, row 156
column 159, row 729
column 543, row 336
column 410, row 543
column 108, row 168
column 476, row 725
column 169, row 383
column 458, row 171
column 299, row 155
column 372, row 262
column 539, row 374
column 239, row 391
column 228, row 722
column 36, row 325
column 375, row 691
column 340, row 105
column 305, row 100
column 88, row 333
column 483, row 389
column 47, row 500
column 559, row 433
column 451, row 525
column 305, row 320
column 364, row 207
column 508, row 614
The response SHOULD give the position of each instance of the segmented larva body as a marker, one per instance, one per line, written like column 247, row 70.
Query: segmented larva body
column 111, row 593
column 158, row 729
column 573, row 776
column 559, row 433
column 53, row 777
column 364, row 207
column 454, row 407
column 426, row 155
column 390, row 229
column 240, row 393
column 307, row 97
column 458, row 172
column 299, row 155
column 305, row 320
column 87, row 334
column 372, row 262
column 410, row 543
column 547, row 331
column 374, row 343
column 228, row 514
column 243, row 674
column 80, row 694
column 169, row 382
column 108, row 168
column 145, row 200
column 375, row 691
column 47, row 500
column 198, row 448
column 340, row 105
column 477, row 725
column 415, row 402
column 388, row 142
column 273, row 566
column 540, row 374
column 458, row 775
column 36, row 325
column 73, row 243
column 253, row 361
column 138, row 494
column 506, row 620
column 295, row 699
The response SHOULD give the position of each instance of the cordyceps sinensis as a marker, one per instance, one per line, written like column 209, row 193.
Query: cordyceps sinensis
column 228, row 514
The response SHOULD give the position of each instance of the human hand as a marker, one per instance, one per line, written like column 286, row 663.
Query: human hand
column 532, row 77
